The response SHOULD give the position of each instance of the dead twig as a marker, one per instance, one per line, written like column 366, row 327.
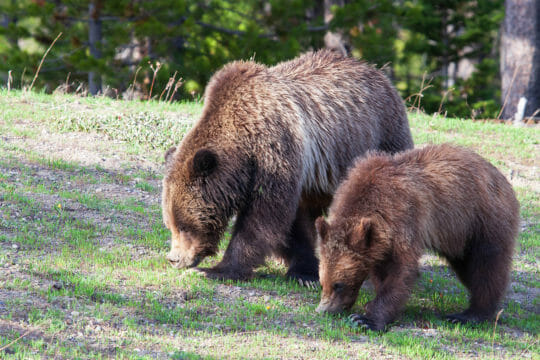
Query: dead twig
column 132, row 86
column 42, row 60
column 508, row 92
column 10, row 80
column 168, row 87
column 155, row 70
column 495, row 328
column 176, row 87
column 419, row 95
column 442, row 100
column 14, row 341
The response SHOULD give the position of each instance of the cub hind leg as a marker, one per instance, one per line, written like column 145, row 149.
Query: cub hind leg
column 485, row 271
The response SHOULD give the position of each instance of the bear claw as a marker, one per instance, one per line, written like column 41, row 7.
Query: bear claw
column 363, row 322
column 220, row 274
column 310, row 284
column 463, row 318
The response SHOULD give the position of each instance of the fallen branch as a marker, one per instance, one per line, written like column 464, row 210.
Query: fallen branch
column 42, row 60
column 14, row 341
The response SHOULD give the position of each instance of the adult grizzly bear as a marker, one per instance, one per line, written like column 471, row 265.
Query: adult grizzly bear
column 391, row 208
column 271, row 146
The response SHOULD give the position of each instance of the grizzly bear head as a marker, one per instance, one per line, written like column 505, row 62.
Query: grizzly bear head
column 344, row 262
column 202, row 189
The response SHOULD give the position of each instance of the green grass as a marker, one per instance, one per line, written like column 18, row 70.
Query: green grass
column 89, row 277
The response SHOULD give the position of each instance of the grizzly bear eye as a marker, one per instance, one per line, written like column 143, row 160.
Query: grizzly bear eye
column 338, row 287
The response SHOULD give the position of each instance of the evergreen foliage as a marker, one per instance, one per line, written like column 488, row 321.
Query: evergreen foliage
column 417, row 39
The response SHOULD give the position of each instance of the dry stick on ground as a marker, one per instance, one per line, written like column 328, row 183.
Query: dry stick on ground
column 170, row 87
column 42, row 60
column 67, row 81
column 442, row 100
column 495, row 328
column 10, row 80
column 155, row 70
column 132, row 86
column 22, row 78
column 167, row 87
column 528, row 347
column 533, row 115
column 176, row 87
column 419, row 94
column 14, row 341
column 508, row 92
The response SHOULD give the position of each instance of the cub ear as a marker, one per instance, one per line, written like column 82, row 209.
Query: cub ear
column 204, row 162
column 322, row 227
column 169, row 155
column 361, row 236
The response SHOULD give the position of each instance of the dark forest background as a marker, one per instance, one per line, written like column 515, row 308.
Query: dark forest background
column 443, row 55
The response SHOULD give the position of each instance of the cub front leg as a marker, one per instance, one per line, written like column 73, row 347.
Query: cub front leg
column 391, row 296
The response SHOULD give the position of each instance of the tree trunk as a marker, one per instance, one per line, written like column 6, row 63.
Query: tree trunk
column 520, row 56
column 94, row 37
column 6, row 20
column 332, row 40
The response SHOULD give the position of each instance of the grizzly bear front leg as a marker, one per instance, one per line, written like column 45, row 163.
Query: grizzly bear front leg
column 260, row 229
column 392, row 293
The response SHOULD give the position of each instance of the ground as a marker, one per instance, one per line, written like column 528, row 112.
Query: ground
column 82, row 251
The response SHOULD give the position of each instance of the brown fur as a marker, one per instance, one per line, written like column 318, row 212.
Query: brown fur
column 390, row 209
column 271, row 147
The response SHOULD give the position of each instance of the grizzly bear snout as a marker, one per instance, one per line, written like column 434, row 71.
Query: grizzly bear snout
column 179, row 260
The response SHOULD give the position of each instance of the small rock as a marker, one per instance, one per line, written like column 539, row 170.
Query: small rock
column 98, row 190
column 15, row 247
column 57, row 286
column 75, row 313
column 266, row 298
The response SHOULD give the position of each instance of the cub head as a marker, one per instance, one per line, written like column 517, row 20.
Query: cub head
column 191, row 205
column 344, row 262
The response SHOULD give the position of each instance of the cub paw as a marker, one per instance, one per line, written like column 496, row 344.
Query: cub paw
column 364, row 323
column 465, row 318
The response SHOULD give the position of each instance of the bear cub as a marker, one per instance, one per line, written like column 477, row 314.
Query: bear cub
column 390, row 209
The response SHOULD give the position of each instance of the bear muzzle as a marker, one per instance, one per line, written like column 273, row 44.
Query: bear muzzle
column 329, row 307
column 178, row 261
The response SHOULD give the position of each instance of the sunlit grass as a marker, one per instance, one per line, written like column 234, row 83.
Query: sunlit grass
column 85, row 259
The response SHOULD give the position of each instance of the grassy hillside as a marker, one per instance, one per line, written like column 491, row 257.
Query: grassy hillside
column 82, row 246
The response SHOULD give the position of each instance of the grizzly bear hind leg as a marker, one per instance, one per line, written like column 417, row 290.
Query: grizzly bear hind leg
column 485, row 271
column 299, row 252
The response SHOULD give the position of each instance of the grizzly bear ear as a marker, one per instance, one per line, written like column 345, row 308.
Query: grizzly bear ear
column 362, row 235
column 169, row 155
column 322, row 227
column 204, row 162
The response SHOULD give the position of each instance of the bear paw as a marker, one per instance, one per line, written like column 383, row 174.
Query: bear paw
column 464, row 318
column 363, row 322
column 225, row 274
column 310, row 284
column 308, row 280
